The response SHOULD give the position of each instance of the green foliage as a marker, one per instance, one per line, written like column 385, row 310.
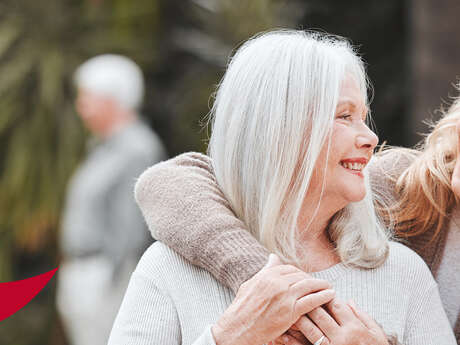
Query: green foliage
column 41, row 43
column 194, row 52
column 181, row 45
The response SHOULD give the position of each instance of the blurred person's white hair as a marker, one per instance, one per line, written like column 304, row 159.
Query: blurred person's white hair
column 273, row 113
column 113, row 76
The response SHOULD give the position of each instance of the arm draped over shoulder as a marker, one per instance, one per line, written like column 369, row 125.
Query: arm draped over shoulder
column 185, row 209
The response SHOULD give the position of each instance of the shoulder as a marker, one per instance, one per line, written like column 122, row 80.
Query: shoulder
column 392, row 161
column 159, row 261
column 405, row 264
column 138, row 139
column 386, row 167
column 189, row 171
column 402, row 256
column 183, row 165
column 170, row 272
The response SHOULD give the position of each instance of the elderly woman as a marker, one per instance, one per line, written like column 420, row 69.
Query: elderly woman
column 289, row 146
column 418, row 192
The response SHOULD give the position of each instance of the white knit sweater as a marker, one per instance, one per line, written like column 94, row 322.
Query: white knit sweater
column 169, row 301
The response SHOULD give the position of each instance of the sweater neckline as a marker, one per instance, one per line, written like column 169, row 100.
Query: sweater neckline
column 331, row 273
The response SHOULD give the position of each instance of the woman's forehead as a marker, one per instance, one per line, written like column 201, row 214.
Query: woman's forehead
column 351, row 94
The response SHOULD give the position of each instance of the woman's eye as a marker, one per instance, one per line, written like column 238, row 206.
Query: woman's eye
column 344, row 116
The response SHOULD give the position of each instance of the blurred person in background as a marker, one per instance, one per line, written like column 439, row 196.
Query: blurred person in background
column 103, row 233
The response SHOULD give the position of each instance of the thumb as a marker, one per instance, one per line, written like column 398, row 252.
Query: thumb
column 273, row 260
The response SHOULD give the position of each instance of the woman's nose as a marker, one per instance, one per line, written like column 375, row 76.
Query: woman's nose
column 367, row 138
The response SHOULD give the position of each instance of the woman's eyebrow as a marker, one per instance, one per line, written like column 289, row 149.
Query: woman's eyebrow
column 348, row 103
column 353, row 107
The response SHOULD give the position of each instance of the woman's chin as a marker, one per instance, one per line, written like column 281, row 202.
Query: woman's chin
column 356, row 195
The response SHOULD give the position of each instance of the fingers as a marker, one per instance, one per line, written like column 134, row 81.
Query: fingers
column 324, row 321
column 273, row 260
column 307, row 303
column 294, row 278
column 298, row 335
column 279, row 269
column 307, row 286
column 310, row 330
column 340, row 311
column 276, row 266
column 365, row 318
column 287, row 339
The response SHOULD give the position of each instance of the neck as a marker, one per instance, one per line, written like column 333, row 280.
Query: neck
column 120, row 121
column 313, row 225
column 314, row 221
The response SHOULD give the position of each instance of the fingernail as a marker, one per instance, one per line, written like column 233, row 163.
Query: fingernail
column 285, row 338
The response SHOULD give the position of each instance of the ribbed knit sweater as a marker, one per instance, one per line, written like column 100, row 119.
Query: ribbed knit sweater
column 170, row 301
column 185, row 208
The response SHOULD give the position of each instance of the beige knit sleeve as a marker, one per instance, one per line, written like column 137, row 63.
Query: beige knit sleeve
column 386, row 167
column 185, row 209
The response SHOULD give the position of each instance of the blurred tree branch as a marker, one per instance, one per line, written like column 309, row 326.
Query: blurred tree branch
column 41, row 43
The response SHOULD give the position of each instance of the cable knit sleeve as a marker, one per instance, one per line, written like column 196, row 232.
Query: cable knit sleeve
column 184, row 208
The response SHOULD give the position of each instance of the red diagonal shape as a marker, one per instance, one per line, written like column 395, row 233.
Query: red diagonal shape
column 15, row 295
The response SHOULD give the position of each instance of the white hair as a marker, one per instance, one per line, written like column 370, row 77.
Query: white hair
column 273, row 113
column 113, row 76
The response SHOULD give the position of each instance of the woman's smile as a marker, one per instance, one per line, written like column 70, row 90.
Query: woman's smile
column 354, row 165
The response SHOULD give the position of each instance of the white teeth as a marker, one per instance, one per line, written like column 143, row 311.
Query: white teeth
column 353, row 166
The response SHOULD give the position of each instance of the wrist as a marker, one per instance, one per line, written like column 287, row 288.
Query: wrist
column 218, row 334
column 225, row 334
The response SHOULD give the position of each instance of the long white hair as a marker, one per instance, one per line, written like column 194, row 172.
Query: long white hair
column 273, row 113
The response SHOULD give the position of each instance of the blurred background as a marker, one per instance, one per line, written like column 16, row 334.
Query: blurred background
column 411, row 49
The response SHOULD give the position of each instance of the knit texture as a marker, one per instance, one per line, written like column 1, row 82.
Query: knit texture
column 449, row 281
column 170, row 301
column 437, row 253
column 384, row 170
column 185, row 209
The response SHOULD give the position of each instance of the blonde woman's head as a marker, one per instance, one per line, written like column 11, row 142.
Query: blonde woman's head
column 425, row 197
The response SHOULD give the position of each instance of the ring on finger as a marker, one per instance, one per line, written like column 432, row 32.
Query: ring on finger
column 319, row 341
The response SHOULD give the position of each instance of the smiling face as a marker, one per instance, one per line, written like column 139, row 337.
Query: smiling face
column 351, row 147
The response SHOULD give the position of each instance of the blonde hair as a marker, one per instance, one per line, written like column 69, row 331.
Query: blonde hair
column 280, row 86
column 425, row 198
